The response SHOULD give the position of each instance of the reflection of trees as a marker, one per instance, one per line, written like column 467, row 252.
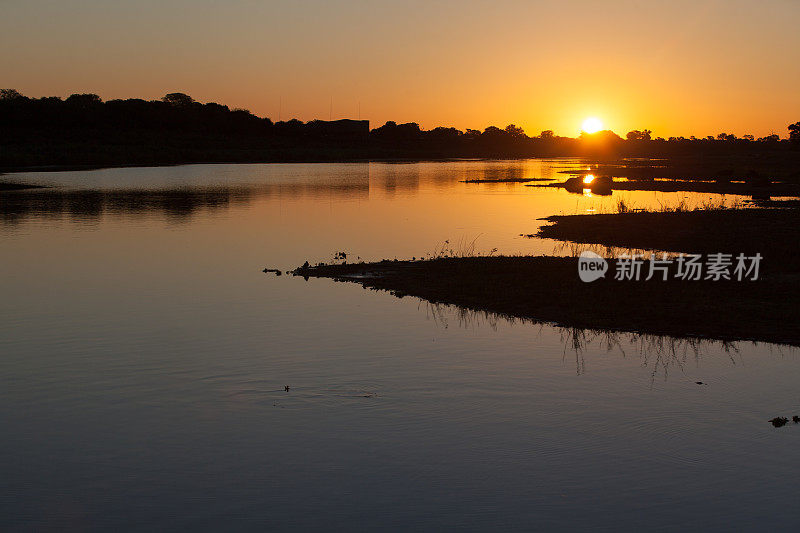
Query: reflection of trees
column 397, row 177
column 496, row 173
column 176, row 204
column 660, row 353
column 91, row 205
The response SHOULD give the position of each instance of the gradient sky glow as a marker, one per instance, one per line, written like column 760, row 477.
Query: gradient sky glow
column 677, row 67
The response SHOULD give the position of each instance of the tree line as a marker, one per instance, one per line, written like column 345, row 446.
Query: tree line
column 176, row 128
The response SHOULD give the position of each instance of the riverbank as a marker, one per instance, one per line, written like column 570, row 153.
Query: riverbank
column 548, row 289
column 759, row 166
column 770, row 232
column 700, row 173
column 760, row 190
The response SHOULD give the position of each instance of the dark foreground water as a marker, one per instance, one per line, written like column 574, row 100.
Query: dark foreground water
column 143, row 360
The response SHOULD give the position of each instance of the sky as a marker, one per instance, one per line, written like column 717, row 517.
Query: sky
column 676, row 67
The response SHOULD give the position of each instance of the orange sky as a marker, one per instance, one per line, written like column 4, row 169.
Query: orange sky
column 677, row 67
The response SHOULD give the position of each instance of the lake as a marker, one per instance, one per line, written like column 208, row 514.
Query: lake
column 145, row 358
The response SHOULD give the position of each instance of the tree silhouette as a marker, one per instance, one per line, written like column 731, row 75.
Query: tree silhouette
column 515, row 131
column 178, row 99
column 794, row 132
column 83, row 100
column 82, row 129
column 10, row 94
column 639, row 135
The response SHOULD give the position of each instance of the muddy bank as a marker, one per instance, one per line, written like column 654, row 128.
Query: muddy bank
column 771, row 232
column 760, row 190
column 548, row 289
column 776, row 166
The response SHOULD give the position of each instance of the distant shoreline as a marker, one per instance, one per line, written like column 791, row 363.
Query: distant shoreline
column 399, row 160
column 723, row 174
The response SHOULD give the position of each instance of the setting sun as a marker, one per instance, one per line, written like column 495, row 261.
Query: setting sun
column 592, row 125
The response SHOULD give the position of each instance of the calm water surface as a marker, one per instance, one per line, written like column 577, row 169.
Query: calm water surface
column 143, row 359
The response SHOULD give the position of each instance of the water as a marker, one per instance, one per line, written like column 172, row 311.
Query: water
column 144, row 359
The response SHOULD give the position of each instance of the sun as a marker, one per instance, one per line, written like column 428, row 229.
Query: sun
column 592, row 125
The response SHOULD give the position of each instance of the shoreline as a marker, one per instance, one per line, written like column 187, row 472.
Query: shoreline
column 719, row 173
column 779, row 189
column 548, row 289
column 772, row 232
column 399, row 160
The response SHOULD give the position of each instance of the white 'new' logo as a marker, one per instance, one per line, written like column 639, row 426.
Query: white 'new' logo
column 591, row 266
